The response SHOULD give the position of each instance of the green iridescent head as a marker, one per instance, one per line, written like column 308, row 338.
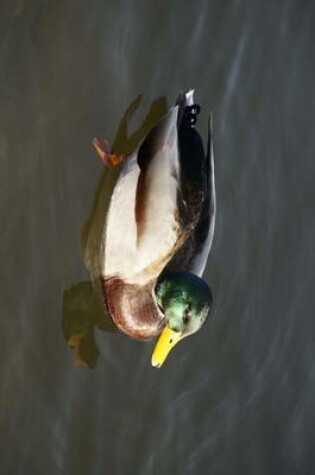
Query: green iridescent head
column 186, row 301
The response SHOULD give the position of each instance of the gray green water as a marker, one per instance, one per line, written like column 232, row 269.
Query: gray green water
column 239, row 397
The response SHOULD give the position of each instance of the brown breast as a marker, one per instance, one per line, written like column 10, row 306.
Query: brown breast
column 132, row 308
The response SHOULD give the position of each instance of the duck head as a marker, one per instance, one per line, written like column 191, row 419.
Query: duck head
column 186, row 302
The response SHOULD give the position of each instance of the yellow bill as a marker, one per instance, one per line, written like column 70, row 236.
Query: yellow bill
column 167, row 340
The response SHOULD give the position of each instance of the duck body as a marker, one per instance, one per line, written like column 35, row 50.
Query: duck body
column 160, row 219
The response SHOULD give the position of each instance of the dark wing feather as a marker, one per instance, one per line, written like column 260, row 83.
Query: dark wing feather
column 204, row 230
column 200, row 201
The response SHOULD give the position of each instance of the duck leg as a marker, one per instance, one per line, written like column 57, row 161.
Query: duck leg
column 85, row 349
column 78, row 323
column 82, row 310
column 103, row 150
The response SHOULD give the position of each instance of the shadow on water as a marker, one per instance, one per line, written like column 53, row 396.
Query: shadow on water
column 83, row 306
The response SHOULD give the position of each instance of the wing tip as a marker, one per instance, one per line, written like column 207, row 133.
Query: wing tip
column 210, row 134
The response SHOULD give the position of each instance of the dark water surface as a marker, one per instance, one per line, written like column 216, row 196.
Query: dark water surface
column 239, row 397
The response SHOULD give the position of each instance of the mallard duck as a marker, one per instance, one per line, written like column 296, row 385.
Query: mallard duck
column 158, row 232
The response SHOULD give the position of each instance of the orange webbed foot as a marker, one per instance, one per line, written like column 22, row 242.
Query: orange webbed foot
column 102, row 148
column 85, row 349
column 75, row 343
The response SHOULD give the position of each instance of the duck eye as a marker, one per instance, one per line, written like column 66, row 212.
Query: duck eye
column 185, row 319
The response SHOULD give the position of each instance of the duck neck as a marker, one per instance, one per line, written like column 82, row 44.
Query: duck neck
column 132, row 307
